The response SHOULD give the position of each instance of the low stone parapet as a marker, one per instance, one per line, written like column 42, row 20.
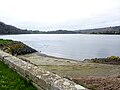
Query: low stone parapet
column 41, row 78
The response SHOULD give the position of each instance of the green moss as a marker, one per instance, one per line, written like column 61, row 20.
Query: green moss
column 10, row 80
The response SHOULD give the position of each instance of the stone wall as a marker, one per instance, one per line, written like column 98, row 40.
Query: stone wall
column 42, row 79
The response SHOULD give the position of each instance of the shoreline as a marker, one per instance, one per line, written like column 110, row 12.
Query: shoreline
column 38, row 58
column 57, row 57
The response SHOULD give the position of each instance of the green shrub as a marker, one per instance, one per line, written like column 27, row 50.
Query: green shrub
column 113, row 58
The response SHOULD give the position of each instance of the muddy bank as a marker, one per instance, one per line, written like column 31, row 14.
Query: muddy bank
column 88, row 74
column 40, row 59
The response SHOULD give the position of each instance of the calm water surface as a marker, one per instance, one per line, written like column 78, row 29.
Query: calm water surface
column 73, row 46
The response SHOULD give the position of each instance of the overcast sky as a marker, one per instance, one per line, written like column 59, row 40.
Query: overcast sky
column 60, row 14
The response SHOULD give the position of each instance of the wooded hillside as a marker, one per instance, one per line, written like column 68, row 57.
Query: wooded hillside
column 9, row 29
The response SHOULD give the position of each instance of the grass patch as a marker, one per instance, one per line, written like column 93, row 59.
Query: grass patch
column 10, row 80
column 6, row 41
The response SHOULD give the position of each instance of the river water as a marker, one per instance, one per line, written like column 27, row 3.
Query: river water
column 72, row 46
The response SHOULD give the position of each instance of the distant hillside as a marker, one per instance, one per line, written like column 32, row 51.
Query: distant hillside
column 107, row 30
column 9, row 29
